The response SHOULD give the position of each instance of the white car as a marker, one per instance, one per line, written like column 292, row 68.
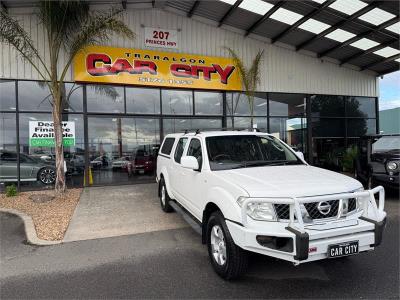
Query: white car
column 249, row 191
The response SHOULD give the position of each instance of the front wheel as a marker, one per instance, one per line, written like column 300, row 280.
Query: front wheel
column 228, row 260
column 47, row 176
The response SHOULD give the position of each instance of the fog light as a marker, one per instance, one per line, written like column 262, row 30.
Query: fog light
column 392, row 166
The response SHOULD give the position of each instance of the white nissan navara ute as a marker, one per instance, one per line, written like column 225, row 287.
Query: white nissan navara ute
column 250, row 192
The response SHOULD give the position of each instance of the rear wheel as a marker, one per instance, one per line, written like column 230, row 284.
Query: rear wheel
column 164, row 198
column 228, row 260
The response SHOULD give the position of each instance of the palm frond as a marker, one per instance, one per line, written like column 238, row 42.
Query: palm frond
column 254, row 71
column 106, row 90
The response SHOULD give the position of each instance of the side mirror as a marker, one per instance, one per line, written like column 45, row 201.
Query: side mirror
column 190, row 162
column 300, row 155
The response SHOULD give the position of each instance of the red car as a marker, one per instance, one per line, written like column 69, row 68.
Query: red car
column 142, row 163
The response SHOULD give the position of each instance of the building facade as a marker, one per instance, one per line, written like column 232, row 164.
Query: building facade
column 314, row 105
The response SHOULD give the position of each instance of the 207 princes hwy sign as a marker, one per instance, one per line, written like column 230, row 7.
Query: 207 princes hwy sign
column 41, row 133
column 154, row 68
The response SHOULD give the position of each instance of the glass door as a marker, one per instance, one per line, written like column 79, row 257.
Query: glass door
column 122, row 150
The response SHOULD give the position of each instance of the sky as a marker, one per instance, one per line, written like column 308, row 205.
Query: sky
column 389, row 91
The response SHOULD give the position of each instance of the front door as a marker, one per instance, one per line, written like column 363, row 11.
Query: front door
column 192, row 181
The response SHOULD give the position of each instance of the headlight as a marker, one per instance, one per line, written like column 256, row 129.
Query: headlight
column 392, row 166
column 259, row 211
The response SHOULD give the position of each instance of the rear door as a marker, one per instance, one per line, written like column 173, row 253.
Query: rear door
column 176, row 172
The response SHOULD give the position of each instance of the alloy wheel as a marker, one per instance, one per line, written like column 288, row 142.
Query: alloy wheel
column 47, row 176
column 218, row 245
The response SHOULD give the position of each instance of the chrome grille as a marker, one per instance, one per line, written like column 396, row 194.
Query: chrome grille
column 283, row 210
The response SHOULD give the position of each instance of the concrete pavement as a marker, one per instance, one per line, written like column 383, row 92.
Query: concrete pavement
column 119, row 210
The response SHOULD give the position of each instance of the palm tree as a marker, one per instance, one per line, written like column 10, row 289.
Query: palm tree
column 69, row 27
column 250, row 77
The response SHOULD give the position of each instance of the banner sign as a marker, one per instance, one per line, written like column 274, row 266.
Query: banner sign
column 160, row 38
column 154, row 68
column 41, row 134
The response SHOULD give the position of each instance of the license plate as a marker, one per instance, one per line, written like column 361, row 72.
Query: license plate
column 343, row 249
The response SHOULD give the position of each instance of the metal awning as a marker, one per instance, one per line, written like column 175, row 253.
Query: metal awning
column 361, row 33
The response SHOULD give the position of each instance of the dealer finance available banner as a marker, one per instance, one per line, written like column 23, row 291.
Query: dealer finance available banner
column 153, row 68
column 41, row 133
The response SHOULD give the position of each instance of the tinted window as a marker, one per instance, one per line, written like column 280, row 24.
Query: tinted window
column 105, row 98
column 7, row 95
column 238, row 104
column 208, row 103
column 142, row 101
column 177, row 102
column 195, row 150
column 167, row 146
column 8, row 156
column 360, row 127
column 287, row 104
column 179, row 149
column 360, row 107
column 328, row 127
column 34, row 95
column 74, row 97
column 327, row 106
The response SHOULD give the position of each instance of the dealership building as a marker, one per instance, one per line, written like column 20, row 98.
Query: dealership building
column 318, row 89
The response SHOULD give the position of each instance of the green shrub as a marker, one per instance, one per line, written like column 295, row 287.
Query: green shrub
column 11, row 190
column 348, row 158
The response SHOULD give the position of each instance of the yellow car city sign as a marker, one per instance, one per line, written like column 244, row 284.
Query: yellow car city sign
column 154, row 68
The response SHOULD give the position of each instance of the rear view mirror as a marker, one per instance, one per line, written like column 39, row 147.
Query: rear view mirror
column 300, row 155
column 190, row 162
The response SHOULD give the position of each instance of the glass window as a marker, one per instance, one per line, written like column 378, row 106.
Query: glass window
column 74, row 97
column 142, row 100
column 7, row 95
column 287, row 104
column 167, row 146
column 41, row 158
column 179, row 149
column 105, row 98
column 180, row 125
column 291, row 131
column 195, row 150
column 34, row 96
column 328, row 153
column 361, row 127
column 328, row 127
column 327, row 106
column 177, row 102
column 360, row 107
column 238, row 104
column 8, row 147
column 245, row 123
column 208, row 103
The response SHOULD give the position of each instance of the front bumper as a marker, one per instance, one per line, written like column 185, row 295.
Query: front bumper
column 387, row 180
column 310, row 242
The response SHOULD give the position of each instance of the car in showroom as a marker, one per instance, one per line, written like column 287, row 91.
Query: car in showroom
column 378, row 160
column 31, row 168
column 247, row 191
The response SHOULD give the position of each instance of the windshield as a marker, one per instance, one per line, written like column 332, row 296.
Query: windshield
column 244, row 151
column 387, row 143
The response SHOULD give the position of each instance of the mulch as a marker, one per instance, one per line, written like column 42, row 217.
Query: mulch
column 51, row 214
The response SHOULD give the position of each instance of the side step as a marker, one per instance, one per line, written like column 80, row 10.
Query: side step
column 189, row 219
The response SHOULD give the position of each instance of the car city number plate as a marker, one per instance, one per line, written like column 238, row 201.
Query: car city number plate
column 343, row 249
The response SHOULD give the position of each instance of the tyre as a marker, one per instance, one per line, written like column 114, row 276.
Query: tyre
column 228, row 260
column 164, row 198
column 47, row 175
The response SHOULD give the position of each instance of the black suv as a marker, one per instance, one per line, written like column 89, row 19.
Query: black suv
column 378, row 160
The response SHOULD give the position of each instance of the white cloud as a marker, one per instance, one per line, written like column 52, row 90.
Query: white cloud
column 383, row 105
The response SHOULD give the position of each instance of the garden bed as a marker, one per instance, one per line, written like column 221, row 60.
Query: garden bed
column 51, row 217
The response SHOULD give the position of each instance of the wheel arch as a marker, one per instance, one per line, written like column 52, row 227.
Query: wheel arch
column 165, row 177
column 208, row 210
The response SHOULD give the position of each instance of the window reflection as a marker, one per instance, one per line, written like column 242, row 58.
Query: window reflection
column 180, row 125
column 208, row 103
column 34, row 96
column 287, row 104
column 328, row 127
column 361, row 127
column 327, row 106
column 7, row 95
column 105, row 98
column 238, row 104
column 177, row 102
column 73, row 97
column 245, row 123
column 142, row 100
column 292, row 131
column 360, row 107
